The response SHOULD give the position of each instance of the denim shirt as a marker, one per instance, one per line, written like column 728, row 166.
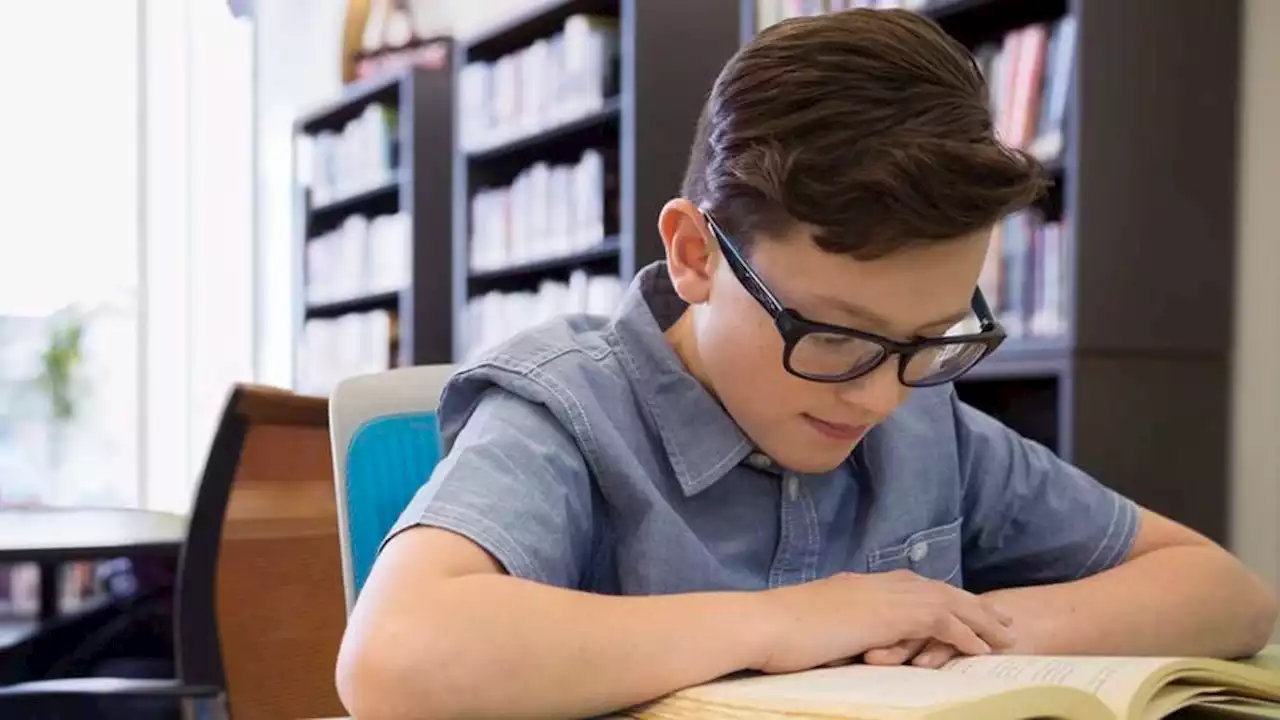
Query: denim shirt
column 582, row 454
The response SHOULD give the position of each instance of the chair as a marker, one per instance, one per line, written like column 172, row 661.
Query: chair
column 385, row 444
column 258, row 605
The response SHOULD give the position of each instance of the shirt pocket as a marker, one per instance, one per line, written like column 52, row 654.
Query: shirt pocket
column 933, row 553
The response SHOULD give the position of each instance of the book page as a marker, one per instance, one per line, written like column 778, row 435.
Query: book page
column 890, row 687
column 1235, row 707
column 1114, row 680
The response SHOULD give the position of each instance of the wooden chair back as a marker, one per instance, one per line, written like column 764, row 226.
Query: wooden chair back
column 276, row 582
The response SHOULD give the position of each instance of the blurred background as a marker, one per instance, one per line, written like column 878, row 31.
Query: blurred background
column 201, row 193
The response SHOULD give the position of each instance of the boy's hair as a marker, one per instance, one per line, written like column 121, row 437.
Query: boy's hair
column 870, row 126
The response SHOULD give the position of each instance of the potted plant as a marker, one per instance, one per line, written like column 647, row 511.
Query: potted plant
column 59, row 381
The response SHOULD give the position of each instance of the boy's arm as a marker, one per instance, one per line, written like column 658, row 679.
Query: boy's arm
column 1177, row 593
column 440, row 631
column 1084, row 570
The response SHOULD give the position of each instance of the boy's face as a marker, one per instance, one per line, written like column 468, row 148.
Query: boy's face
column 732, row 344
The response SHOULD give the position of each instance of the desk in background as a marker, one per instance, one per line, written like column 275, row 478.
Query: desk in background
column 52, row 536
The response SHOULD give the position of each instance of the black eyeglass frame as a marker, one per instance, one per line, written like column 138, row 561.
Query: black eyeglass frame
column 794, row 327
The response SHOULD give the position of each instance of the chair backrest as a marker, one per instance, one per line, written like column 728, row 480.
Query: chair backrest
column 261, row 581
column 385, row 444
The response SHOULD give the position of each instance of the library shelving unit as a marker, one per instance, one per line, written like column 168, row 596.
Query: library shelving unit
column 581, row 157
column 1133, row 386
column 373, row 225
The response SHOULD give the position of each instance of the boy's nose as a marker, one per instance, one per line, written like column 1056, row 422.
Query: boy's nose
column 878, row 392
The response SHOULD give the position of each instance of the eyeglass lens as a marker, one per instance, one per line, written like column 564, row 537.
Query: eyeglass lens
column 822, row 355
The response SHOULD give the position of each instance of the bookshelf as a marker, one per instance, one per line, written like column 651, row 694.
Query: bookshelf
column 373, row 181
column 581, row 164
column 1132, row 384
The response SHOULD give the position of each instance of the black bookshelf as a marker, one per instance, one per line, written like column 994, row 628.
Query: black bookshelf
column 670, row 52
column 386, row 300
column 1136, row 391
column 420, row 187
column 518, row 275
column 576, row 133
column 377, row 200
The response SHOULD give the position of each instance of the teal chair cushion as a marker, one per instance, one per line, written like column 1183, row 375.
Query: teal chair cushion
column 388, row 460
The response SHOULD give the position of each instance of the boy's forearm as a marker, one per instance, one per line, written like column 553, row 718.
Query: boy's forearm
column 512, row 648
column 1187, row 600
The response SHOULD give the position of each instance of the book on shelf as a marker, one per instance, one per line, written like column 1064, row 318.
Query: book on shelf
column 1025, row 275
column 362, row 256
column 553, row 80
column 353, row 344
column 496, row 316
column 769, row 12
column 992, row 688
column 362, row 156
column 1048, row 140
column 1029, row 74
column 549, row 210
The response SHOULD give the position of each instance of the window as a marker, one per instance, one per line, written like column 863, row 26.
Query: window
column 69, row 271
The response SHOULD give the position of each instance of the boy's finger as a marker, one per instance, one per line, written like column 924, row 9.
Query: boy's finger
column 895, row 654
column 934, row 655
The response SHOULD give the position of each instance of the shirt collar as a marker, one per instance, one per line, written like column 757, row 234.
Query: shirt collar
column 702, row 441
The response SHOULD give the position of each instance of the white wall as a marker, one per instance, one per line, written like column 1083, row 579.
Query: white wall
column 197, row 235
column 1256, row 416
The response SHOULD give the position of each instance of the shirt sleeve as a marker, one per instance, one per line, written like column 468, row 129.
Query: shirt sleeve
column 515, row 483
column 1030, row 517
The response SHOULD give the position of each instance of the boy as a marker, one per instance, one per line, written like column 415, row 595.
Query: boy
column 759, row 462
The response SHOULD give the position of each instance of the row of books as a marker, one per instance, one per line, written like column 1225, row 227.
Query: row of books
column 363, row 256
column 364, row 155
column 554, row 80
column 1025, row 277
column 496, row 316
column 1029, row 73
column 79, row 585
column 332, row 349
column 549, row 210
column 769, row 12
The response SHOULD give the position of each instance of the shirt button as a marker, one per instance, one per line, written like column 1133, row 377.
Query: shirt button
column 918, row 552
column 759, row 461
column 793, row 487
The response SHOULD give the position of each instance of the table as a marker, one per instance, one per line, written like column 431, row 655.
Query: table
column 54, row 535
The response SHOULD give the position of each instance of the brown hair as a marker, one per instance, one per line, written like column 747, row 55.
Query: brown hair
column 870, row 126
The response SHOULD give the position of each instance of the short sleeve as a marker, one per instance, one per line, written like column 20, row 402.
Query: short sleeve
column 1030, row 517
column 515, row 483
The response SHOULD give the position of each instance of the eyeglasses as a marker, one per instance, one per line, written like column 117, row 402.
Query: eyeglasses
column 832, row 354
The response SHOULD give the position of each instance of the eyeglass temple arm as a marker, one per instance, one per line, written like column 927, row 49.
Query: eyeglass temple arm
column 981, row 308
column 756, row 287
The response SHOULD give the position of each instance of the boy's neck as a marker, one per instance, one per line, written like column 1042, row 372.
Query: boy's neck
column 684, row 341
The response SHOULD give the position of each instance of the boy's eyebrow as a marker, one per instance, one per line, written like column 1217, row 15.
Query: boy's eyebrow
column 875, row 318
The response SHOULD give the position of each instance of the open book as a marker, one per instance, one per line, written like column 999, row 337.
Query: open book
column 994, row 687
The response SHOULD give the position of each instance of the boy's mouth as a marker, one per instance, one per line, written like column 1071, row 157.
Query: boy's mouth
column 836, row 431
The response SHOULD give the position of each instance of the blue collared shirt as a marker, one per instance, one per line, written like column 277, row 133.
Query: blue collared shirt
column 583, row 454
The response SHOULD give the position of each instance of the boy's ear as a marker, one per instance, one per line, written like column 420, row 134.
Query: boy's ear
column 691, row 255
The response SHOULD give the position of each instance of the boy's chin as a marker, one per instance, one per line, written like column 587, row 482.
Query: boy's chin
column 815, row 458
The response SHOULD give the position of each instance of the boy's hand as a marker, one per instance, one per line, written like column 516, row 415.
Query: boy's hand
column 921, row 653
column 845, row 615
column 935, row 653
